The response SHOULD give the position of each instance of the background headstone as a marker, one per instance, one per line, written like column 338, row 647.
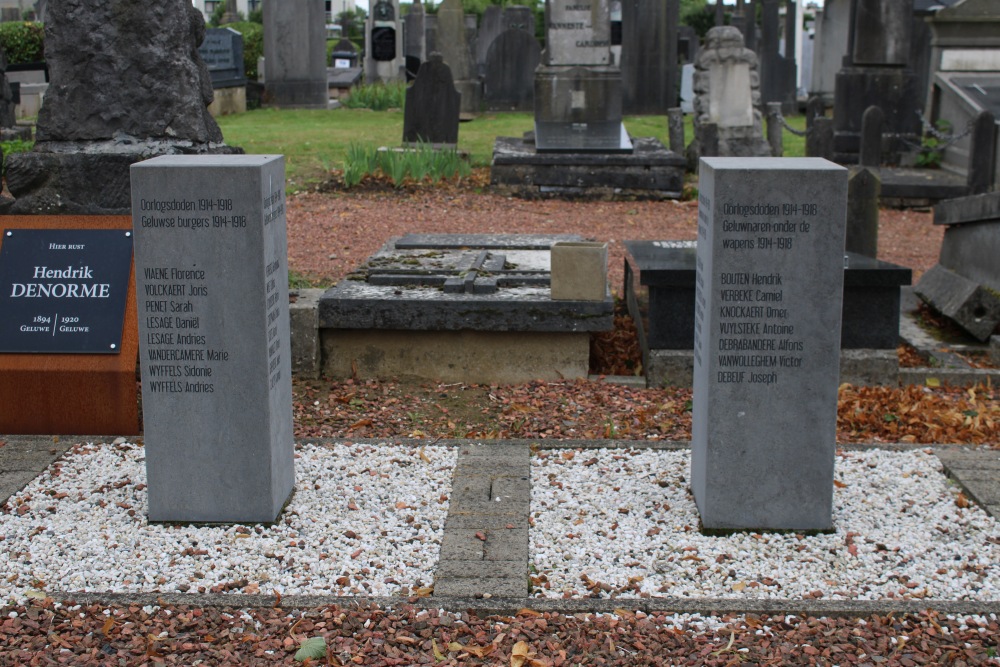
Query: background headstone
column 126, row 84
column 214, row 344
column 727, row 96
column 875, row 73
column 415, row 38
column 769, row 289
column 295, row 53
column 649, row 55
column 489, row 29
column 453, row 45
column 222, row 52
column 777, row 72
column 509, row 83
column 385, row 59
column 432, row 105
column 578, row 93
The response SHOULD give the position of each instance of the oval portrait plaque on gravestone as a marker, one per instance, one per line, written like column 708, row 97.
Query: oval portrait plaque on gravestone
column 63, row 290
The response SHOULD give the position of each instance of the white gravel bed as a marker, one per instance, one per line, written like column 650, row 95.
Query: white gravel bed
column 364, row 520
column 623, row 523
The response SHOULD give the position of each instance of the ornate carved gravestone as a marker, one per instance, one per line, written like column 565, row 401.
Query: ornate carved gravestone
column 126, row 84
column 727, row 99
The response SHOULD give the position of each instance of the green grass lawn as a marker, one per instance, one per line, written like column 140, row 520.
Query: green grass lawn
column 314, row 142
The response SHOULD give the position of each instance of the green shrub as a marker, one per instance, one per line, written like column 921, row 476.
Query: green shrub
column 418, row 163
column 376, row 96
column 23, row 41
column 253, row 45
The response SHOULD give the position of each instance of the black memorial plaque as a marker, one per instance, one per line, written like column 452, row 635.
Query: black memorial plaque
column 383, row 44
column 63, row 290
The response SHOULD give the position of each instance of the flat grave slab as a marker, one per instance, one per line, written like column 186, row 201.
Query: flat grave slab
column 446, row 305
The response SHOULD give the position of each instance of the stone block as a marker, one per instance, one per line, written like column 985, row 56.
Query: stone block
column 971, row 242
column 971, row 305
column 303, row 313
column 869, row 367
column 212, row 279
column 498, row 587
column 767, row 333
column 995, row 349
column 580, row 270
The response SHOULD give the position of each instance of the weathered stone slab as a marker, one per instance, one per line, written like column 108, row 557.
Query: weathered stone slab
column 968, row 303
column 650, row 170
column 768, row 309
column 577, row 33
column 212, row 284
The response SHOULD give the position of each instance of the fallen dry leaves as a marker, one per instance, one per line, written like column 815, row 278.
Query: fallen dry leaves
column 586, row 409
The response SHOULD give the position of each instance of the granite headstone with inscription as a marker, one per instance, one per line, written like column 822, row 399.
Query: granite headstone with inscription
column 222, row 52
column 769, row 288
column 212, row 290
column 385, row 59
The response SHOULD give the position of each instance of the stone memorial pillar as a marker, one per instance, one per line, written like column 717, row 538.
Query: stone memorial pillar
column 212, row 291
column 578, row 93
column 453, row 45
column 385, row 60
column 769, row 292
column 295, row 54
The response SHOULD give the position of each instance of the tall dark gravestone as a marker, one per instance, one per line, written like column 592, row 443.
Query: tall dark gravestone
column 876, row 73
column 214, row 342
column 432, row 105
column 768, row 307
column 295, row 54
column 778, row 72
column 649, row 55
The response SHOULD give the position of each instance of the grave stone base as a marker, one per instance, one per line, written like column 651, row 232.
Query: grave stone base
column 455, row 356
column 651, row 171
column 85, row 178
column 78, row 394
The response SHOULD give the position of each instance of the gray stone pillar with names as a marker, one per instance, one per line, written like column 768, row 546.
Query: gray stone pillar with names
column 212, row 290
column 769, row 288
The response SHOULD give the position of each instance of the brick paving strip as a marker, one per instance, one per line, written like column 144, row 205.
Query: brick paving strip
column 484, row 550
column 484, row 559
